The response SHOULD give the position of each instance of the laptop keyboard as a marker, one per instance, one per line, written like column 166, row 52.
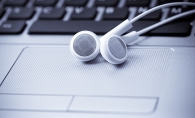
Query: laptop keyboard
column 70, row 16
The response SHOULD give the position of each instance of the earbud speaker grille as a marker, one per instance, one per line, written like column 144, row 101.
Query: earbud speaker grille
column 117, row 47
column 84, row 45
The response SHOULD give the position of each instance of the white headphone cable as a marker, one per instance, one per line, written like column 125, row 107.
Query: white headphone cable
column 161, row 7
column 116, row 32
column 132, row 36
column 165, row 21
column 127, row 24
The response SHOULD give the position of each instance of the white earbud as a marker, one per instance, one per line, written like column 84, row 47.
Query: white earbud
column 113, row 48
column 85, row 45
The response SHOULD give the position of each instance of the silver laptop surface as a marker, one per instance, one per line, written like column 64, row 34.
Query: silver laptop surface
column 40, row 78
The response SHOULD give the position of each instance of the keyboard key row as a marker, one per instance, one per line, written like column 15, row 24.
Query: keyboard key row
column 176, row 28
column 84, row 2
column 81, row 13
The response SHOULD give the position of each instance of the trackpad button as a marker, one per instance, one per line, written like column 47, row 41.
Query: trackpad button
column 113, row 104
column 34, row 102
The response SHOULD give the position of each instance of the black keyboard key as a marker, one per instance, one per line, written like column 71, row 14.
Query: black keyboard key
column 15, row 2
column 2, row 11
column 75, row 2
column 152, row 16
column 12, row 27
column 83, row 13
column 138, row 2
column 168, row 1
column 141, row 24
column 71, row 27
column 177, row 10
column 115, row 13
column 21, row 13
column 45, row 2
column 175, row 28
column 52, row 13
column 106, row 2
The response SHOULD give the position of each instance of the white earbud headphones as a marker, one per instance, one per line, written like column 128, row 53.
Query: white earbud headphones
column 85, row 45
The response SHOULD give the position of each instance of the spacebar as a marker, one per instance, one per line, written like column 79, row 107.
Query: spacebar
column 71, row 27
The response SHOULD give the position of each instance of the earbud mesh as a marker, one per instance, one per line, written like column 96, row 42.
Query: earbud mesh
column 117, row 47
column 84, row 45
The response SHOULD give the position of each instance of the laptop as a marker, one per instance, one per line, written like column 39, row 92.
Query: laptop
column 40, row 78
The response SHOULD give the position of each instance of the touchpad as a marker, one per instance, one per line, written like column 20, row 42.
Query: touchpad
column 54, row 71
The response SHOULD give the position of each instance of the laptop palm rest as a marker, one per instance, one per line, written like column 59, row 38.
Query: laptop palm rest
column 55, row 72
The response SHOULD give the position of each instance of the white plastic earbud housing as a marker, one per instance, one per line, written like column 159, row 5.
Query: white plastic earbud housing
column 85, row 45
column 113, row 49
